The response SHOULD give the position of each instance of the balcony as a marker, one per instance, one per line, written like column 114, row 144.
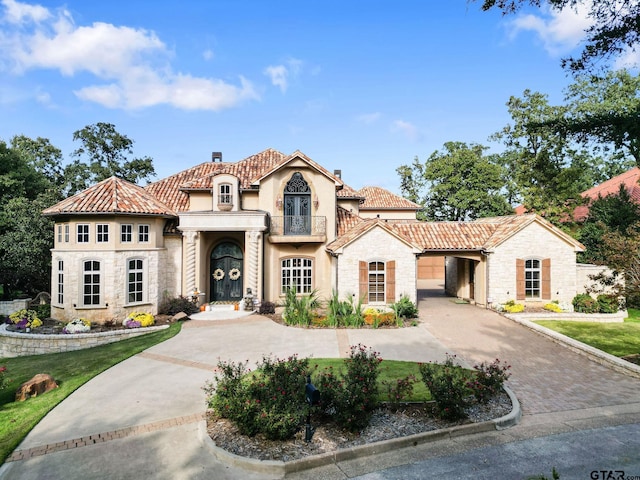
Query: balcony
column 298, row 229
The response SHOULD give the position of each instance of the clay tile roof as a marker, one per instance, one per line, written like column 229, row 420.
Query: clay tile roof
column 346, row 220
column 172, row 190
column 293, row 156
column 348, row 192
column 364, row 226
column 377, row 198
column 443, row 236
column 112, row 195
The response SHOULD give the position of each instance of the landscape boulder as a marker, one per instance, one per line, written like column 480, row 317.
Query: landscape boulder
column 41, row 383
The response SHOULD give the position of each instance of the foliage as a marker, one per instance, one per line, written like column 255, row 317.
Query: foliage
column 174, row 305
column 554, row 475
column 462, row 183
column 3, row 377
column 25, row 319
column 513, row 307
column 143, row 319
column 300, row 309
column 585, row 303
column 488, row 379
column 270, row 402
column 397, row 391
column 43, row 310
column 405, row 308
column 71, row 370
column 350, row 398
column 267, row 308
column 77, row 325
column 614, row 31
column 552, row 307
column 608, row 303
column 448, row 384
column 344, row 313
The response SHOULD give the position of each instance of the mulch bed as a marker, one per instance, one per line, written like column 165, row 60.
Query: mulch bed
column 54, row 327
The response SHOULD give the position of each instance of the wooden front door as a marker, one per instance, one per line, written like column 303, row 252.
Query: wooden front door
column 226, row 273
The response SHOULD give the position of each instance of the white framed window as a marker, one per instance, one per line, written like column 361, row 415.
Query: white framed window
column 296, row 273
column 66, row 233
column 376, row 282
column 60, row 234
column 135, row 280
column 143, row 233
column 91, row 282
column 102, row 232
column 83, row 233
column 60, row 286
column 224, row 194
column 532, row 277
column 126, row 233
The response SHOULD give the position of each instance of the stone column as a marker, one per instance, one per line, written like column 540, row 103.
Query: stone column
column 191, row 261
column 253, row 240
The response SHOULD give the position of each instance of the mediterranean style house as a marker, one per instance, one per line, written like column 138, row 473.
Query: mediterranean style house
column 272, row 222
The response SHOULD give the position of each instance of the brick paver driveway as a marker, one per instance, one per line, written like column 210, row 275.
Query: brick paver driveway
column 546, row 377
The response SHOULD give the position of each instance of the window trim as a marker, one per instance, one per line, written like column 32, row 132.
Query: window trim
column 379, row 283
column 529, row 291
column 83, row 234
column 225, row 198
column 305, row 271
column 60, row 283
column 143, row 286
column 84, row 284
column 102, row 233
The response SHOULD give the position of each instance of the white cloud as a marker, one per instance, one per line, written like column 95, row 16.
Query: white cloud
column 207, row 54
column 369, row 118
column 280, row 74
column 17, row 12
column 628, row 59
column 132, row 63
column 559, row 30
column 406, row 128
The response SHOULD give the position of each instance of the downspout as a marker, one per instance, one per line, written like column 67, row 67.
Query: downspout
column 486, row 273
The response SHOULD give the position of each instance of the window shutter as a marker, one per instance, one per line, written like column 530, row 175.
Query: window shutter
column 520, row 295
column 546, row 278
column 364, row 282
column 390, row 280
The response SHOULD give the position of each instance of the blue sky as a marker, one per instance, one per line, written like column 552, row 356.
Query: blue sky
column 362, row 86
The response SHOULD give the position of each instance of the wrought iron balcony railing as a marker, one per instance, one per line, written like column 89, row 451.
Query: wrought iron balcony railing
column 298, row 225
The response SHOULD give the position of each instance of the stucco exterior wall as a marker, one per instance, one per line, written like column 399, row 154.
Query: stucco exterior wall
column 377, row 245
column 534, row 241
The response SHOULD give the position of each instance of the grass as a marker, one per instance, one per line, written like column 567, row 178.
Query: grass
column 617, row 339
column 71, row 370
column 390, row 370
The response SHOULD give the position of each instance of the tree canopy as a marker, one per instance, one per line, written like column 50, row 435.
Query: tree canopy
column 615, row 28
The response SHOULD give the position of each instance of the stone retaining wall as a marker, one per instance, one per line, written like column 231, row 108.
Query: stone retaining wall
column 574, row 316
column 13, row 344
column 7, row 308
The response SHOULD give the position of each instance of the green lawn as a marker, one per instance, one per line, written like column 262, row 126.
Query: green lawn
column 618, row 339
column 390, row 370
column 71, row 370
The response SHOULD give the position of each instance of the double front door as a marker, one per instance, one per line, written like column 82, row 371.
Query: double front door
column 226, row 273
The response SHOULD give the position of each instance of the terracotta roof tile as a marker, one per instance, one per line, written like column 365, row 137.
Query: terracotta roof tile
column 112, row 195
column 378, row 198
column 290, row 158
column 364, row 226
column 348, row 192
column 346, row 220
column 172, row 190
column 443, row 236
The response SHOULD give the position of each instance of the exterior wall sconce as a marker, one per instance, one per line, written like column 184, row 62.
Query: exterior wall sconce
column 315, row 201
column 279, row 202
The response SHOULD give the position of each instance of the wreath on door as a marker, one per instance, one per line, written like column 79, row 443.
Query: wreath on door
column 234, row 274
column 218, row 274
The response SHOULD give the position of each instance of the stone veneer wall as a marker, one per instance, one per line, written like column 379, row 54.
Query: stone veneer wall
column 534, row 241
column 7, row 308
column 13, row 344
column 377, row 245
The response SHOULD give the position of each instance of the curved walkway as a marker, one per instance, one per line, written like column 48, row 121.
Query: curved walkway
column 141, row 418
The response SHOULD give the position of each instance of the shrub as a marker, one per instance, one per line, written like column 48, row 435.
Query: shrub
column 25, row 319
column 3, row 377
column 344, row 313
column 399, row 390
column 299, row 310
column 405, row 308
column 488, row 379
column 271, row 401
column 42, row 310
column 585, row 303
column 267, row 308
column 608, row 303
column 553, row 307
column 448, row 384
column 512, row 307
column 172, row 306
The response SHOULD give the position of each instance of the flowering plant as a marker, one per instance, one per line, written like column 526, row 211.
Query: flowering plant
column 77, row 325
column 23, row 319
column 3, row 378
column 138, row 319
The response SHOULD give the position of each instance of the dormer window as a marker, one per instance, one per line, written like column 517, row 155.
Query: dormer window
column 225, row 197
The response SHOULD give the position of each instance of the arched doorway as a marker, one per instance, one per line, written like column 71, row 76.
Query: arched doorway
column 297, row 206
column 226, row 273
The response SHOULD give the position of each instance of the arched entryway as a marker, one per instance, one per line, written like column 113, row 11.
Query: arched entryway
column 226, row 272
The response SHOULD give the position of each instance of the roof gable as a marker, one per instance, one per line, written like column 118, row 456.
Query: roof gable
column 294, row 160
column 111, row 196
column 362, row 228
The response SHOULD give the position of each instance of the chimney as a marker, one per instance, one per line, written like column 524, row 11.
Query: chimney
column 216, row 157
column 338, row 173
